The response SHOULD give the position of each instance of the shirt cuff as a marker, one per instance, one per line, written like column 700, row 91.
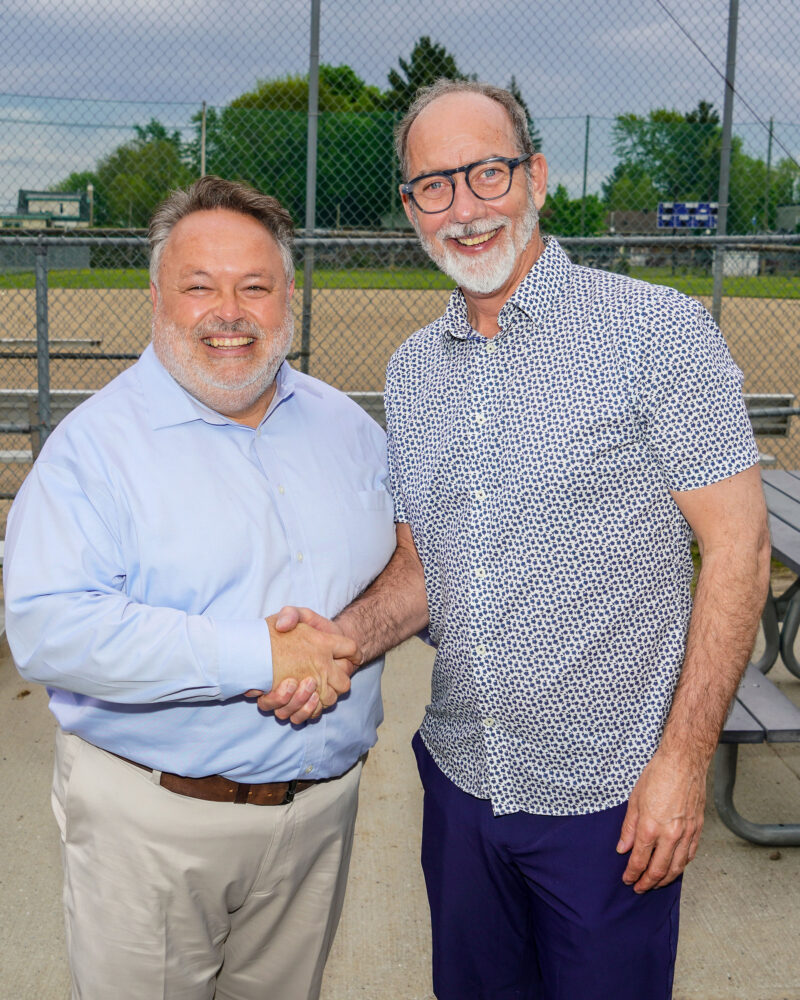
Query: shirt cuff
column 244, row 656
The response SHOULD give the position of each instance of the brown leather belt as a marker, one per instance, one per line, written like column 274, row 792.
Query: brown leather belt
column 215, row 788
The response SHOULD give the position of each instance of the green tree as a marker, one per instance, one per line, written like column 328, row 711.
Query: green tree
column 562, row 215
column 536, row 137
column 747, row 189
column 630, row 187
column 261, row 138
column 428, row 62
column 678, row 152
column 669, row 156
column 131, row 181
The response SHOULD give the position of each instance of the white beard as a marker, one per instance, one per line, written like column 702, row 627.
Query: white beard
column 489, row 271
column 226, row 393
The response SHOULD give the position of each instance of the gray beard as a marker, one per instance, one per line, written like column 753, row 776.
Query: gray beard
column 225, row 395
column 488, row 272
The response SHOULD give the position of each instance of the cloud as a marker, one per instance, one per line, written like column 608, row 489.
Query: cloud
column 570, row 59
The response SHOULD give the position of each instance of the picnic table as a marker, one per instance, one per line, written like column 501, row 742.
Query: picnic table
column 761, row 712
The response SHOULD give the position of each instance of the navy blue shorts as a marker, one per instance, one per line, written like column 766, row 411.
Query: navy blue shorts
column 528, row 907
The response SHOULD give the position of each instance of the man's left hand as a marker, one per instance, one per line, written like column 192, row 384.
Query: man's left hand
column 662, row 826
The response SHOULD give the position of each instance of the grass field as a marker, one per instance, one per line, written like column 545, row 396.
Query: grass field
column 408, row 278
column 768, row 286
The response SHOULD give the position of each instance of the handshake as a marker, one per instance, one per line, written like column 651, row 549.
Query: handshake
column 312, row 662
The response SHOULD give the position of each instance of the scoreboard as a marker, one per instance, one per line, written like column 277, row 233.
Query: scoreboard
column 687, row 214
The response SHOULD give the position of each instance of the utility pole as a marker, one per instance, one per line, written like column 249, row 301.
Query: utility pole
column 311, row 183
column 725, row 160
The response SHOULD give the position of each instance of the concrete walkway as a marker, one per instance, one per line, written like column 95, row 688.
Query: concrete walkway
column 741, row 903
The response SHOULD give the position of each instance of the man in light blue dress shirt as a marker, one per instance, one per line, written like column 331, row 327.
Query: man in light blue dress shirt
column 205, row 842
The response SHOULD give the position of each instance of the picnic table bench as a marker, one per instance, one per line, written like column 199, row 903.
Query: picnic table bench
column 18, row 414
column 760, row 711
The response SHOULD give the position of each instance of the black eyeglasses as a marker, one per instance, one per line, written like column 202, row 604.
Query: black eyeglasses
column 487, row 179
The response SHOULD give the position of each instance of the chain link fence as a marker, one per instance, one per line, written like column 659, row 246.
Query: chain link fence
column 106, row 107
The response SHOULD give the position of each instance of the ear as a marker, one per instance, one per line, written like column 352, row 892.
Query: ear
column 154, row 296
column 539, row 178
column 290, row 289
column 408, row 207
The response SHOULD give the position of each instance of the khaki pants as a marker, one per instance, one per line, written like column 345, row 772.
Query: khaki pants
column 177, row 898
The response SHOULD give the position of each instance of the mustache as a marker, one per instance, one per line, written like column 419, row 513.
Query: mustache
column 209, row 327
column 478, row 227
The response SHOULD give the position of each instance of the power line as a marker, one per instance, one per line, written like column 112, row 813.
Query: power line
column 723, row 77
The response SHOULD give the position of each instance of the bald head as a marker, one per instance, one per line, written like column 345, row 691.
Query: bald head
column 444, row 88
column 444, row 133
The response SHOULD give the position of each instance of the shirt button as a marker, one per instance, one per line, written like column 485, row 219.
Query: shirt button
column 308, row 770
column 299, row 556
column 480, row 495
column 480, row 649
column 491, row 347
column 480, row 418
column 480, row 572
column 281, row 490
column 488, row 722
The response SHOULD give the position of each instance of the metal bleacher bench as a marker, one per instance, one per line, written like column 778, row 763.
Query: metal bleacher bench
column 770, row 415
column 19, row 415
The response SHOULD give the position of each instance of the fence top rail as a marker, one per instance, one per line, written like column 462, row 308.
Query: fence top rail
column 749, row 242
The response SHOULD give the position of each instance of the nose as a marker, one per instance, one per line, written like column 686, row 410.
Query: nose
column 466, row 205
column 228, row 307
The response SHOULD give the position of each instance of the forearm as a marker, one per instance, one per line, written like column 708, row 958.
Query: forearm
column 731, row 589
column 107, row 647
column 394, row 607
column 78, row 616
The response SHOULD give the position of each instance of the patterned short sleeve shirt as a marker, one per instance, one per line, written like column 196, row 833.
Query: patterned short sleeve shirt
column 535, row 471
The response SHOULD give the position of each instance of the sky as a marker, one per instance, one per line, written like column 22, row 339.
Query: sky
column 75, row 75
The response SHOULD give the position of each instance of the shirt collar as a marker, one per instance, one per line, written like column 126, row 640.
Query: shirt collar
column 533, row 296
column 169, row 404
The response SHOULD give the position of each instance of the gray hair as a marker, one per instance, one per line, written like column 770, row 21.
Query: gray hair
column 442, row 86
column 212, row 192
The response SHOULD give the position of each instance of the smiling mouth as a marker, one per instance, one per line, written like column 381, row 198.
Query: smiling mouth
column 228, row 342
column 474, row 241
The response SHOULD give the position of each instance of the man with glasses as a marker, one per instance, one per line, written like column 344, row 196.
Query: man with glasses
column 554, row 439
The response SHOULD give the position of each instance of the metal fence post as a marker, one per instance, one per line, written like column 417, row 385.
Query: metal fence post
column 585, row 175
column 766, row 180
column 203, row 140
column 311, row 183
column 725, row 160
column 43, row 420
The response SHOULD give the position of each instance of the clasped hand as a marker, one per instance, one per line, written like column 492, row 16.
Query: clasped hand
column 312, row 662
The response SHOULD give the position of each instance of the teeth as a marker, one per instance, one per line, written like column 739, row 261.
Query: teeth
column 473, row 241
column 228, row 341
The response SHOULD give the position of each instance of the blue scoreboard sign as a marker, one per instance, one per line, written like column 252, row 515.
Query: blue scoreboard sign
column 687, row 214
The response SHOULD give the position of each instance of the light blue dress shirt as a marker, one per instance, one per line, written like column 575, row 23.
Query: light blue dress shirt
column 150, row 541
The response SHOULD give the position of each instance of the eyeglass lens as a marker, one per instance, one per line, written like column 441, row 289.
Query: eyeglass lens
column 486, row 180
